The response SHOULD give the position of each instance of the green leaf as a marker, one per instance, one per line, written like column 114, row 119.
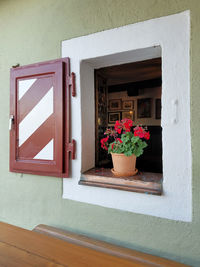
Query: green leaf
column 130, row 145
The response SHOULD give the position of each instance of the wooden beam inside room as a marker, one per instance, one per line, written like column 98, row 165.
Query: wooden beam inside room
column 132, row 72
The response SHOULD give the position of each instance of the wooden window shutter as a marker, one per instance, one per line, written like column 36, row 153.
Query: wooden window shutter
column 40, row 118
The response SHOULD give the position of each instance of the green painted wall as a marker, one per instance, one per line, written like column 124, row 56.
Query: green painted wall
column 32, row 31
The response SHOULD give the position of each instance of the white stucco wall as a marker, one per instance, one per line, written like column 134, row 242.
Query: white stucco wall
column 128, row 44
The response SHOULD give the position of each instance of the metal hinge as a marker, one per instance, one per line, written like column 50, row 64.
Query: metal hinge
column 71, row 147
column 72, row 83
column 16, row 66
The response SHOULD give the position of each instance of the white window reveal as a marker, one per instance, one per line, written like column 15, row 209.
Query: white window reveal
column 168, row 38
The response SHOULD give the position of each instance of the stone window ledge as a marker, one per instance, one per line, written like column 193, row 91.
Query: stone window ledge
column 143, row 182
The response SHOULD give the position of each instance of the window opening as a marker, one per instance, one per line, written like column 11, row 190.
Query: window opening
column 131, row 90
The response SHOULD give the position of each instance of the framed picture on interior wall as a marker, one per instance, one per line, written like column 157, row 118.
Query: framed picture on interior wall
column 128, row 115
column 144, row 108
column 127, row 104
column 158, row 109
column 115, row 104
column 113, row 117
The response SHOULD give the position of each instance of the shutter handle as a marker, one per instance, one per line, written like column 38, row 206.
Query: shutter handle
column 11, row 122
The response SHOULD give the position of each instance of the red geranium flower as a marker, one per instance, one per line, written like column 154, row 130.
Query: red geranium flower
column 147, row 135
column 139, row 131
column 118, row 127
column 127, row 124
column 118, row 139
column 124, row 129
column 104, row 143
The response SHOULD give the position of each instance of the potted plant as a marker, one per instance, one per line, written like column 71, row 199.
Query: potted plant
column 125, row 142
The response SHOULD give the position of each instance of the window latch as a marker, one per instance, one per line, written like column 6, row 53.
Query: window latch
column 71, row 147
column 11, row 122
column 72, row 83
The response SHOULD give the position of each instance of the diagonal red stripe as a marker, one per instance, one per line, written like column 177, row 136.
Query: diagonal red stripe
column 38, row 140
column 33, row 96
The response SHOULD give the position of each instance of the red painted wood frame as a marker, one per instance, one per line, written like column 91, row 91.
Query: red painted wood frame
column 52, row 75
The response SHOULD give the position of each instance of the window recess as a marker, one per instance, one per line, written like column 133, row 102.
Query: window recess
column 40, row 118
column 133, row 91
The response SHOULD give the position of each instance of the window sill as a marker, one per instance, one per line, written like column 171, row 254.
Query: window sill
column 143, row 182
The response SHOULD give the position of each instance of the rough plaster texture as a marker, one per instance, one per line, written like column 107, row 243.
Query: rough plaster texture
column 32, row 31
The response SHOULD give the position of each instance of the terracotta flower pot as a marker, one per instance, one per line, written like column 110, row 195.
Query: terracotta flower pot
column 123, row 165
